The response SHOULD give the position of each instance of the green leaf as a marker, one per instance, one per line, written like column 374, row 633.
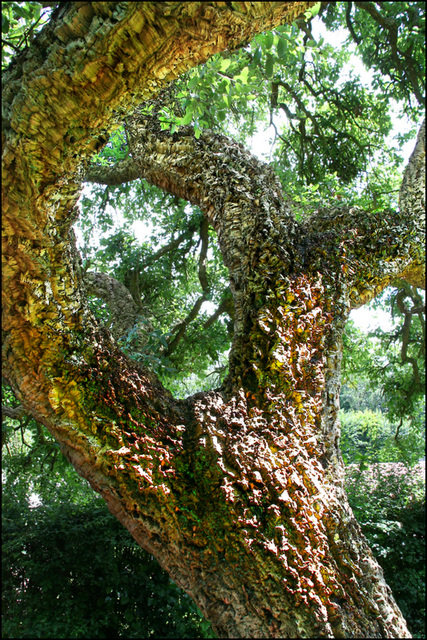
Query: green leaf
column 188, row 115
column 224, row 64
column 313, row 11
column 257, row 55
column 269, row 65
column 193, row 82
column 282, row 46
column 243, row 75
column 5, row 24
column 268, row 40
column 22, row 12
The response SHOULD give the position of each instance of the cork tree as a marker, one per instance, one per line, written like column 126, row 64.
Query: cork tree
column 238, row 492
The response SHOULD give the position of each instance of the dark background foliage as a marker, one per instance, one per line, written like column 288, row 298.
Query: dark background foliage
column 389, row 503
column 71, row 570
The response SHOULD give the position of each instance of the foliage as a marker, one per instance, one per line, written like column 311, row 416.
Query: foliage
column 163, row 274
column 57, row 584
column 389, row 503
column 20, row 22
column 403, row 352
column 389, row 38
column 366, row 437
column 329, row 126
column 383, row 395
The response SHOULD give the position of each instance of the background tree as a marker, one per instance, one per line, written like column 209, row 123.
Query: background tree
column 147, row 144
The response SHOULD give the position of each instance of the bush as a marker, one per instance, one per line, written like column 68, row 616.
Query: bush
column 73, row 571
column 389, row 502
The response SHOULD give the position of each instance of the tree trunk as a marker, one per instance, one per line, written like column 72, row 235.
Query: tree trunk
column 239, row 492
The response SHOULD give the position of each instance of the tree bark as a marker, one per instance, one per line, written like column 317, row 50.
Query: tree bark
column 238, row 493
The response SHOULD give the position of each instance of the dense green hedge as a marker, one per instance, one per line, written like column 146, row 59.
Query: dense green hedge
column 389, row 502
column 73, row 571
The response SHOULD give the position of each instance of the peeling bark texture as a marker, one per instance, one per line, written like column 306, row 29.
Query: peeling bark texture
column 238, row 492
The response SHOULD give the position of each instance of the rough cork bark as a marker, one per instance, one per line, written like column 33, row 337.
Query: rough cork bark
column 238, row 493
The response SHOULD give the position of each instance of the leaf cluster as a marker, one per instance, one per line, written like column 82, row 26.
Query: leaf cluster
column 20, row 23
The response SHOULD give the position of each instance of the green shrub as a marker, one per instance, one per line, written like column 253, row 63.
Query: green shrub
column 73, row 571
column 389, row 503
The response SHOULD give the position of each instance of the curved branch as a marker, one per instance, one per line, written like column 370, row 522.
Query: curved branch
column 121, row 172
column 374, row 252
column 350, row 24
column 118, row 298
column 370, row 247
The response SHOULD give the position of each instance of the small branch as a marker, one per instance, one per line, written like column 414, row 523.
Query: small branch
column 174, row 244
column 408, row 313
column 7, row 43
column 184, row 324
column 350, row 24
column 396, row 435
column 16, row 413
column 203, row 278
column 226, row 306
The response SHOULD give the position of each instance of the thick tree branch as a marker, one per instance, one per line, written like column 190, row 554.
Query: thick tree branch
column 120, row 173
column 118, row 298
column 412, row 190
column 369, row 248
